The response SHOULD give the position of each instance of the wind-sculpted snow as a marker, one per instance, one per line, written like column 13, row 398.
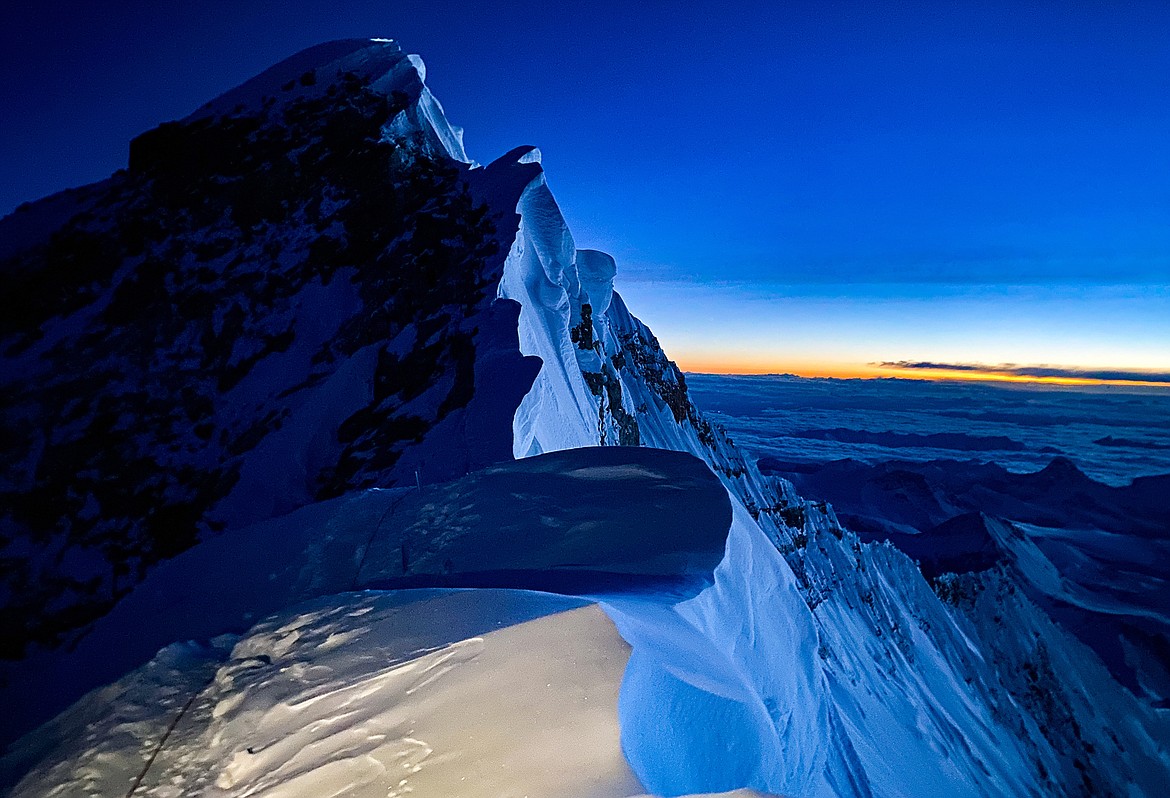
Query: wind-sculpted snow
column 723, row 690
column 101, row 744
column 380, row 65
column 452, row 693
column 461, row 694
column 585, row 520
column 899, row 702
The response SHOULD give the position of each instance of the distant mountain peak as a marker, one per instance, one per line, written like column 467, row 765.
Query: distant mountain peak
column 1063, row 469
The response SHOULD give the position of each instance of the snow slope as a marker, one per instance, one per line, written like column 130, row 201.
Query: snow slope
column 380, row 64
column 723, row 690
column 455, row 693
column 286, row 296
column 1094, row 556
column 572, row 521
column 426, row 691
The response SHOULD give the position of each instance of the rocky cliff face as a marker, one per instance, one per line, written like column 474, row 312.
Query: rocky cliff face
column 286, row 296
column 305, row 289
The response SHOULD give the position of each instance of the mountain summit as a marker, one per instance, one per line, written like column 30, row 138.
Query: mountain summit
column 287, row 295
column 301, row 340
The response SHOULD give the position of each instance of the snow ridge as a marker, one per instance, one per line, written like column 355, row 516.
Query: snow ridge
column 902, row 700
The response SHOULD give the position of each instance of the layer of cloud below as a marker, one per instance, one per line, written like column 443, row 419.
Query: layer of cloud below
column 1039, row 372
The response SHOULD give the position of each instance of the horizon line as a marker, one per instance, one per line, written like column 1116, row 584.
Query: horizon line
column 941, row 376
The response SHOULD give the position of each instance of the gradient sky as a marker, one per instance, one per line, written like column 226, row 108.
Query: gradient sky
column 807, row 186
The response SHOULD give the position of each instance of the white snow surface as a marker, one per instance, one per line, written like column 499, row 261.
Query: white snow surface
column 480, row 692
column 540, row 273
column 721, row 683
column 452, row 693
column 572, row 520
column 375, row 694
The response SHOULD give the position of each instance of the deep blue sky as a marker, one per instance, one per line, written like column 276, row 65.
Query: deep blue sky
column 826, row 175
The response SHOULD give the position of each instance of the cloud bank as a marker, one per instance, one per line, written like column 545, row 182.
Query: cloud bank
column 1039, row 372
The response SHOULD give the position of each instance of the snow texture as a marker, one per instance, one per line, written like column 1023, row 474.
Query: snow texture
column 902, row 700
column 454, row 693
column 571, row 521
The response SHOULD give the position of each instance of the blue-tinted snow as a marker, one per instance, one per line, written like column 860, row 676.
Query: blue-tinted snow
column 815, row 664
column 1092, row 555
column 575, row 521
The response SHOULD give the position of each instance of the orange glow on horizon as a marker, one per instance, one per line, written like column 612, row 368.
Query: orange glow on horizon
column 845, row 371
column 841, row 371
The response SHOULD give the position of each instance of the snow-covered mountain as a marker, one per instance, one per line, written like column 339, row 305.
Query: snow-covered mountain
column 268, row 308
column 304, row 292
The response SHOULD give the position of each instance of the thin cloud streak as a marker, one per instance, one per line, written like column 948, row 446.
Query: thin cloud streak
column 925, row 364
column 1013, row 370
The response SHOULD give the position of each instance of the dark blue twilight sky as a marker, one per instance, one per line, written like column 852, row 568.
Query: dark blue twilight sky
column 805, row 186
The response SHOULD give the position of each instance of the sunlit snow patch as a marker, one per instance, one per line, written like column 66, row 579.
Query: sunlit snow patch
column 580, row 521
column 452, row 693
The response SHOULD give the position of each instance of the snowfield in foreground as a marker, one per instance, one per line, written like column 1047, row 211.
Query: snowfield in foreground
column 456, row 693
column 577, row 521
column 382, row 693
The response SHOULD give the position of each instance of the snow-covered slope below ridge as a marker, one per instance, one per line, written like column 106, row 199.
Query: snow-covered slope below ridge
column 907, row 700
column 356, row 688
column 834, row 669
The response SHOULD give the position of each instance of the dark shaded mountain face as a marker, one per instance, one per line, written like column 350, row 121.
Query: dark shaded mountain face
column 347, row 332
column 271, row 306
column 963, row 544
column 1094, row 556
column 919, row 495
